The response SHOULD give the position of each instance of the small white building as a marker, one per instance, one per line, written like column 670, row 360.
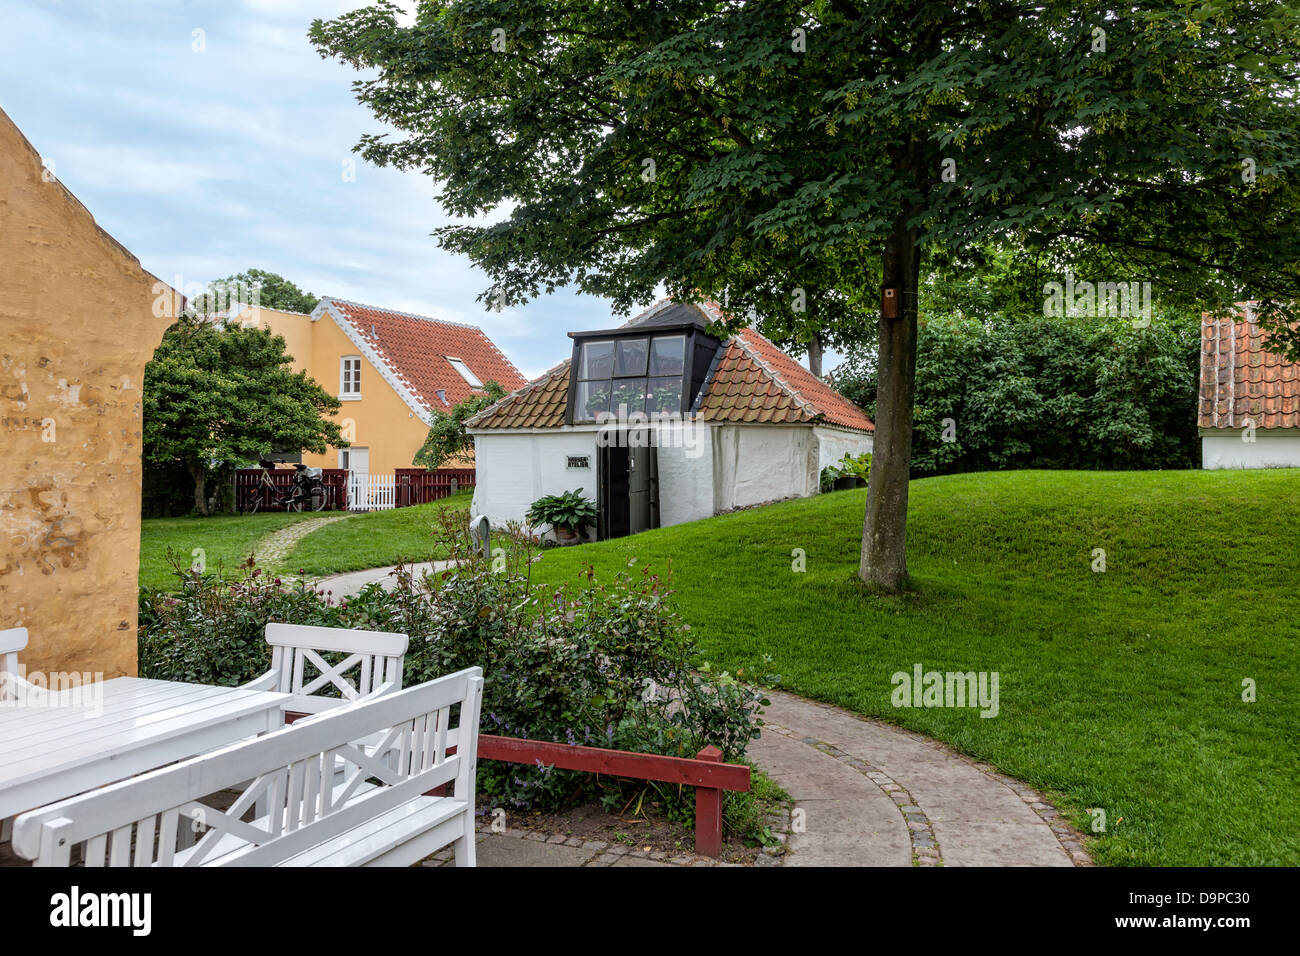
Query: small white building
column 659, row 422
column 1250, row 398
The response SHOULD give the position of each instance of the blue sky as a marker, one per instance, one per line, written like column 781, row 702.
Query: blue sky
column 207, row 163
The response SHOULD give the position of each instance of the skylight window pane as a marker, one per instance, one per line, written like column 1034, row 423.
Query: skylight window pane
column 592, row 399
column 665, row 395
column 464, row 371
column 597, row 360
column 632, row 354
column 629, row 394
column 667, row 355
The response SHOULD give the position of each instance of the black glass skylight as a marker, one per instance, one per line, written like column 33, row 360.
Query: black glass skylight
column 630, row 375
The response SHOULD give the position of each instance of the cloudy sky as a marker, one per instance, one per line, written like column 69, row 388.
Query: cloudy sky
column 209, row 153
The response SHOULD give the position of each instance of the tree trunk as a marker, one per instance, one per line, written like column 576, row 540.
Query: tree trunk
column 884, row 532
column 200, row 489
column 815, row 349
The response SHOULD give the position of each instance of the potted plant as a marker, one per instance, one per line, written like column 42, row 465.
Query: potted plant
column 853, row 472
column 569, row 514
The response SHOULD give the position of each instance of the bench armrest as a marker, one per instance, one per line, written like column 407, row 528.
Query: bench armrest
column 387, row 687
column 268, row 681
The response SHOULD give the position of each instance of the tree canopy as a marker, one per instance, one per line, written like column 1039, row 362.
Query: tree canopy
column 225, row 394
column 782, row 156
column 271, row 290
column 447, row 438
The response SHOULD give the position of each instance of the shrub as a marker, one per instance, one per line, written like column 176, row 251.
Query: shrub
column 1031, row 391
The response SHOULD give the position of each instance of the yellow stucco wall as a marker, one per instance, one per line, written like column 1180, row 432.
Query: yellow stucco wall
column 380, row 420
column 295, row 328
column 78, row 322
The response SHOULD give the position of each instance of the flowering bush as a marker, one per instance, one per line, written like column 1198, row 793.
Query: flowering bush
column 599, row 663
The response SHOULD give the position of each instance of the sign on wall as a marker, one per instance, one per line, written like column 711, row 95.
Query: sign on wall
column 579, row 461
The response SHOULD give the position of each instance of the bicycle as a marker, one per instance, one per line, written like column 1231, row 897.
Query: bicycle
column 306, row 492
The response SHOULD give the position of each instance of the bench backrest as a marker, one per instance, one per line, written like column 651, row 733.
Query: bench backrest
column 12, row 640
column 375, row 655
column 297, row 798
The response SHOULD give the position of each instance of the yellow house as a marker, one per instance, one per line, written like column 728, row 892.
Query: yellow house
column 391, row 370
column 81, row 318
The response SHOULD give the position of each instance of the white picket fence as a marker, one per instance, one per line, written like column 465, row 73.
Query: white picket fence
column 371, row 492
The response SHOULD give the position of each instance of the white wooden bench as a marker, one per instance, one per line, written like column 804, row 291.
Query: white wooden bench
column 376, row 655
column 378, row 814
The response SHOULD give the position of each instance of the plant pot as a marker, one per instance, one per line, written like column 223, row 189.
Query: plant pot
column 847, row 482
column 567, row 536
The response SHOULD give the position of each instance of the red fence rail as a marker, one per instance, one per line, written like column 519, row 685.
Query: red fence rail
column 706, row 773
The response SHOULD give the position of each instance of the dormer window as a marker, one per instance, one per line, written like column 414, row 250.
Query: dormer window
column 464, row 371
column 629, row 375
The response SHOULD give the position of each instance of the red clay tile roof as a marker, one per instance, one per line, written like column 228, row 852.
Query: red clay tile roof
column 415, row 349
column 539, row 404
column 751, row 381
column 754, row 381
column 1241, row 381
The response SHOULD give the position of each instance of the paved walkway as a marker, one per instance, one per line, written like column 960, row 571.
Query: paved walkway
column 347, row 585
column 867, row 793
column 530, row 848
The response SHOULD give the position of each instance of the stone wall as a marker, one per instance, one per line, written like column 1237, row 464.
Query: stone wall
column 77, row 325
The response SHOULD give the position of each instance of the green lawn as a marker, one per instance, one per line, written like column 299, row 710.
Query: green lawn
column 226, row 540
column 369, row 540
column 374, row 539
column 1120, row 690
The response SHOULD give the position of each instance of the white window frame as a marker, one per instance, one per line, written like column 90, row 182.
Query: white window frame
column 345, row 394
column 462, row 367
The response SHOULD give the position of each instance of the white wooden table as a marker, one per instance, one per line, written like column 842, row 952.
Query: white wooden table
column 49, row 753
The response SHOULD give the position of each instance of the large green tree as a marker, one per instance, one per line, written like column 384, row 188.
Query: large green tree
column 225, row 394
column 269, row 289
column 750, row 151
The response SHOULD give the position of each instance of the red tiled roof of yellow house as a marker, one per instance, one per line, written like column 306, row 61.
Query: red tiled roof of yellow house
column 403, row 340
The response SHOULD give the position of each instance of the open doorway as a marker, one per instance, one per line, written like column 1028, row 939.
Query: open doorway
column 627, row 500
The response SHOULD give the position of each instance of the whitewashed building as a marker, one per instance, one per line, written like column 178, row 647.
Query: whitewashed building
column 660, row 422
column 1250, row 398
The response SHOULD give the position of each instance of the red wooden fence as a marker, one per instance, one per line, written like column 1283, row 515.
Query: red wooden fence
column 706, row 773
column 335, row 481
column 414, row 486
